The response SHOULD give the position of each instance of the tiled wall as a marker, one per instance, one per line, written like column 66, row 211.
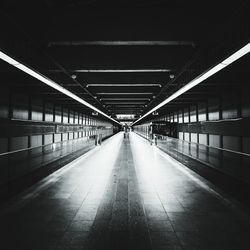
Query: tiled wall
column 224, row 118
column 29, row 110
column 228, row 107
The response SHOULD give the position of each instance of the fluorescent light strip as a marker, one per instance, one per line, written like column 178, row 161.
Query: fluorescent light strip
column 125, row 103
column 123, row 99
column 235, row 56
column 123, row 85
column 122, row 43
column 121, row 70
column 121, row 93
column 127, row 106
column 49, row 82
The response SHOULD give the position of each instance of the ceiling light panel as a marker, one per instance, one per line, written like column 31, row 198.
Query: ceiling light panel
column 123, row 93
column 124, row 85
column 121, row 70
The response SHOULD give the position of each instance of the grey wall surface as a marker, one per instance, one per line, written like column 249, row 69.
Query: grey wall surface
column 221, row 121
column 35, row 116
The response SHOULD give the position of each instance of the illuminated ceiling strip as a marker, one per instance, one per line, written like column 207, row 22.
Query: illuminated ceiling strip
column 49, row 82
column 123, row 85
column 121, row 93
column 235, row 56
column 121, row 70
column 122, row 43
column 123, row 99
column 125, row 103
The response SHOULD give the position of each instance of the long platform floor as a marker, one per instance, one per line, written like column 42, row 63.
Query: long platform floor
column 123, row 195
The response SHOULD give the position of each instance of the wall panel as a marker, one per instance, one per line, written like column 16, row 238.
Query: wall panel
column 36, row 109
column 213, row 109
column 214, row 141
column 203, row 139
column 4, row 103
column 230, row 106
column 17, row 143
column 232, row 143
column 36, row 140
column 20, row 104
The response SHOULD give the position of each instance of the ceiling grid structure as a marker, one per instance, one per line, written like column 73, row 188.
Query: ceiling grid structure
column 122, row 57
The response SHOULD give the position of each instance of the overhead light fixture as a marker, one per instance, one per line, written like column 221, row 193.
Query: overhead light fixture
column 125, row 103
column 122, row 93
column 123, row 85
column 235, row 56
column 122, row 70
column 73, row 76
column 125, row 116
column 123, row 43
column 127, row 106
column 49, row 82
column 123, row 99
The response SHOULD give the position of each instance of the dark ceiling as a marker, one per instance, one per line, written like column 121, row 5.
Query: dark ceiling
column 127, row 56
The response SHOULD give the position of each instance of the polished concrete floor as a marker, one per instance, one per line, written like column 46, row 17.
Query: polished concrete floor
column 123, row 195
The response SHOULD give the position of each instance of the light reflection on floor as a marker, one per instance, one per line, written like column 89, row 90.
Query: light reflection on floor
column 195, row 215
column 123, row 195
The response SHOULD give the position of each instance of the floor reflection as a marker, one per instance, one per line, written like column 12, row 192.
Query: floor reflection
column 125, row 195
column 183, row 212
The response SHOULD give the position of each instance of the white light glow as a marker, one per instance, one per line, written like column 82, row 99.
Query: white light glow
column 125, row 103
column 123, row 93
column 235, row 56
column 123, row 85
column 8, row 59
column 238, row 54
column 197, row 179
column 124, row 99
column 125, row 116
column 123, row 43
column 49, row 82
column 121, row 70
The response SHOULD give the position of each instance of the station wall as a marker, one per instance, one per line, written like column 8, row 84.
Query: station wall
column 221, row 121
column 28, row 121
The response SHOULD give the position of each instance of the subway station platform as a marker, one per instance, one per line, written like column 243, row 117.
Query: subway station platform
column 124, row 195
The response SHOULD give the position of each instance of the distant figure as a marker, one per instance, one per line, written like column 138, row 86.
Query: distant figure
column 126, row 131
